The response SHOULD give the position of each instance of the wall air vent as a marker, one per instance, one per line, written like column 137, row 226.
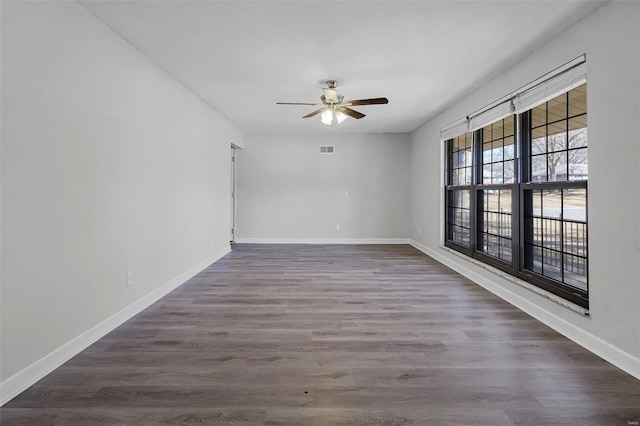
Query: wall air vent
column 327, row 149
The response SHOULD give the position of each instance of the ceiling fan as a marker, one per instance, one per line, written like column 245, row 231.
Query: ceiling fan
column 335, row 106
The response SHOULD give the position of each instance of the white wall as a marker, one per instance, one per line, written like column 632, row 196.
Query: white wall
column 108, row 165
column 610, row 38
column 288, row 191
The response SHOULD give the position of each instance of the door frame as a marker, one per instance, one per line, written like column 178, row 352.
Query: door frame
column 232, row 179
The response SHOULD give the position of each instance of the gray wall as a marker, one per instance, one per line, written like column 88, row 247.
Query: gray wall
column 108, row 165
column 287, row 190
column 610, row 38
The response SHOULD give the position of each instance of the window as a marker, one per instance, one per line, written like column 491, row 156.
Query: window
column 498, row 152
column 555, row 243
column 459, row 177
column 516, row 186
column 495, row 189
column 555, row 199
column 459, row 223
column 558, row 149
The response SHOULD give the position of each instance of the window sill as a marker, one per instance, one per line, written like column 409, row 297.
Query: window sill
column 560, row 301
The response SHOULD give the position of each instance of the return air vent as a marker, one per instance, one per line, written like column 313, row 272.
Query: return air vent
column 327, row 149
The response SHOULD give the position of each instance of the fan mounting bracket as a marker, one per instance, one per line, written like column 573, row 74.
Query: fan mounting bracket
column 332, row 84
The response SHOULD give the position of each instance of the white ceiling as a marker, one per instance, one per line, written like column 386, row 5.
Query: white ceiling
column 242, row 57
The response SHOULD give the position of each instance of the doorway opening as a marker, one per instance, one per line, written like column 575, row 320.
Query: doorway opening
column 232, row 179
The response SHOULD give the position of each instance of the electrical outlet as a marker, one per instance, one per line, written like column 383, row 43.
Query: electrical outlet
column 337, row 226
column 213, row 241
column 419, row 230
column 129, row 278
column 346, row 194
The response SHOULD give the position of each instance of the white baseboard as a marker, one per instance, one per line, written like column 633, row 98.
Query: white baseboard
column 26, row 377
column 322, row 241
column 605, row 350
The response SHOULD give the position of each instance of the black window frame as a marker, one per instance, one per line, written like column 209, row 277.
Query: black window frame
column 521, row 204
column 451, row 188
column 479, row 190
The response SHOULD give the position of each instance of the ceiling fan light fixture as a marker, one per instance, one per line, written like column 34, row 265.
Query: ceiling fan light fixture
column 327, row 117
column 335, row 106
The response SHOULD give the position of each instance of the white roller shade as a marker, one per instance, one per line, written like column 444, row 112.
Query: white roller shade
column 558, row 81
column 562, row 80
column 491, row 114
column 455, row 129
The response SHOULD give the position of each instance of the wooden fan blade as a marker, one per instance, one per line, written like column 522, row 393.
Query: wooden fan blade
column 372, row 101
column 316, row 112
column 294, row 103
column 352, row 113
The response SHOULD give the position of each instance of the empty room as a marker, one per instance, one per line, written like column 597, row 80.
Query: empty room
column 320, row 212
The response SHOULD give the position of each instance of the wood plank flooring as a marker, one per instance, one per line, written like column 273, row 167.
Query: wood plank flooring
column 330, row 335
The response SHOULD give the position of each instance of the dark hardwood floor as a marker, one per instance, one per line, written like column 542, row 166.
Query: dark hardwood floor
column 330, row 335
